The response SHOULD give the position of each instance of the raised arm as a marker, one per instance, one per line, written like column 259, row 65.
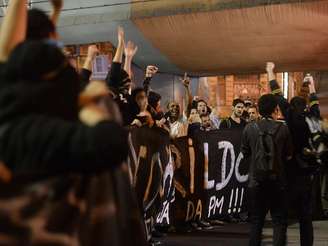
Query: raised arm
column 314, row 101
column 150, row 72
column 276, row 90
column 187, row 100
column 113, row 77
column 13, row 28
column 57, row 6
column 129, row 51
column 118, row 58
column 86, row 70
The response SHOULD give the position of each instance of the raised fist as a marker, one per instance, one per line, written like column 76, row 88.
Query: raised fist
column 270, row 66
column 57, row 4
column 185, row 81
column 151, row 71
column 92, row 51
column 308, row 79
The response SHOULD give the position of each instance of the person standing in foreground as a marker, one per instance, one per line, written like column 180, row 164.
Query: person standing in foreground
column 302, row 169
column 268, row 143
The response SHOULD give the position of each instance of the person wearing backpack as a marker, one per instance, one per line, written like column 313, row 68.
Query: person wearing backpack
column 301, row 171
column 268, row 143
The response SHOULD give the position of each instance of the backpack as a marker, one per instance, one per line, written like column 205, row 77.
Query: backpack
column 265, row 162
column 316, row 154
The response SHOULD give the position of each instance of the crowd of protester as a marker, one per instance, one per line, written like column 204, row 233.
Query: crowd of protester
column 54, row 120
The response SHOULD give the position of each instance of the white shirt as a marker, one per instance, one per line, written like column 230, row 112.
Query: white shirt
column 215, row 121
column 179, row 128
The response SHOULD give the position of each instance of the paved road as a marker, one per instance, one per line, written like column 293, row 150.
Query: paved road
column 237, row 235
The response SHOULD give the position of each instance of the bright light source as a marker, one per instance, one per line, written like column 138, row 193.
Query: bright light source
column 285, row 84
column 4, row 4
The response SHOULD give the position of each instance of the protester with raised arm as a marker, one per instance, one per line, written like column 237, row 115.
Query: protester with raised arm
column 13, row 28
column 119, row 82
column 176, row 120
column 187, row 99
column 151, row 70
column 301, row 170
column 35, row 95
column 41, row 27
column 129, row 51
column 86, row 71
column 57, row 6
column 201, row 106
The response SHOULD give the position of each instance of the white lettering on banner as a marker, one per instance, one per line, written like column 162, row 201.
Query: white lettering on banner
column 164, row 214
column 230, row 203
column 236, row 201
column 232, row 167
column 168, row 174
column 227, row 146
column 234, row 198
column 241, row 200
column 192, row 214
column 199, row 210
column 192, row 165
column 190, row 211
column 209, row 184
column 167, row 186
column 215, row 204
column 240, row 178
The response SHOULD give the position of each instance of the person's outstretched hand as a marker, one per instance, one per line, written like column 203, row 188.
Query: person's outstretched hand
column 270, row 67
column 151, row 70
column 185, row 80
column 120, row 35
column 57, row 4
column 130, row 49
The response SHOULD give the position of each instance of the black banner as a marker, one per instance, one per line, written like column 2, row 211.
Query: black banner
column 209, row 178
column 149, row 156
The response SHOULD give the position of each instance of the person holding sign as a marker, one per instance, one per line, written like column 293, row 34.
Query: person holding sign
column 299, row 116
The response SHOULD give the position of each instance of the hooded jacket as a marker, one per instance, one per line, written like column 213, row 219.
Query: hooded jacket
column 39, row 128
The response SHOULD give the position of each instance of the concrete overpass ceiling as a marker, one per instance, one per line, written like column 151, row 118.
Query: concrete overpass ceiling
column 205, row 36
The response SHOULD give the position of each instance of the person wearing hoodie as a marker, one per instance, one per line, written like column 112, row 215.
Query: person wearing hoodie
column 40, row 26
column 39, row 108
column 45, row 136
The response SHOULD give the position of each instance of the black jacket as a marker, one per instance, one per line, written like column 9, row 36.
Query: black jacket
column 115, row 79
column 297, row 125
column 282, row 151
column 39, row 126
